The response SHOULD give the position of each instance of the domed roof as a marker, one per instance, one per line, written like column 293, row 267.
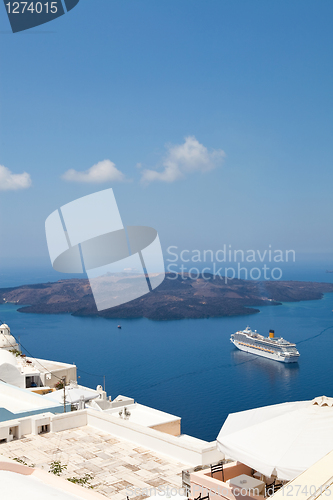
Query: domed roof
column 6, row 339
column 7, row 357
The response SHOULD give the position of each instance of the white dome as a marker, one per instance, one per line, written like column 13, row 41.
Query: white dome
column 7, row 357
column 7, row 340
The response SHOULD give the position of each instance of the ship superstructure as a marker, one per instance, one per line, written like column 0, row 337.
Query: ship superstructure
column 271, row 347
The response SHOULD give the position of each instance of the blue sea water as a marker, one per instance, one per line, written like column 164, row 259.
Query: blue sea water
column 189, row 367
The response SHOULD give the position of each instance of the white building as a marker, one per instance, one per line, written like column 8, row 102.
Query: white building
column 25, row 372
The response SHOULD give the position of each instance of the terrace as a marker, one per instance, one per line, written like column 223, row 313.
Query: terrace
column 119, row 468
column 230, row 481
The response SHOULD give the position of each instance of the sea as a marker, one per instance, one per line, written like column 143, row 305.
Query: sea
column 188, row 368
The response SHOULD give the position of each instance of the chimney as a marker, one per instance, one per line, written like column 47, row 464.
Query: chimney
column 271, row 334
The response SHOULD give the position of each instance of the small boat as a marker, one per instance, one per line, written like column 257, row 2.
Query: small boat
column 119, row 326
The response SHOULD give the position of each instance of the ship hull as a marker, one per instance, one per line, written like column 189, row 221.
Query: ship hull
column 265, row 354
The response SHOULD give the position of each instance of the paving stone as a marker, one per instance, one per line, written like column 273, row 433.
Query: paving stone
column 118, row 467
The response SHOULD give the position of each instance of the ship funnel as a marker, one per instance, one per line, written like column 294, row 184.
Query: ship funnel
column 271, row 334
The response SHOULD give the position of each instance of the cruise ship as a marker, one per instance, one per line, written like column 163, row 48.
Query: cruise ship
column 270, row 347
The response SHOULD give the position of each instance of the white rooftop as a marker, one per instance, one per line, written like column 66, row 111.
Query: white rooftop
column 143, row 415
column 22, row 364
column 46, row 365
column 18, row 400
column 29, row 365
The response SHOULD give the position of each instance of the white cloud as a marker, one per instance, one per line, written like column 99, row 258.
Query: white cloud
column 182, row 159
column 103, row 171
column 11, row 182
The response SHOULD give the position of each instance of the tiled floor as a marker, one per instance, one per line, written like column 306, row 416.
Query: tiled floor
column 119, row 468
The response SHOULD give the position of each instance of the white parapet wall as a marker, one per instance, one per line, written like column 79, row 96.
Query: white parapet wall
column 184, row 448
column 70, row 420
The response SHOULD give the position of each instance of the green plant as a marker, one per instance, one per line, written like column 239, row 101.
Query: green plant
column 83, row 481
column 59, row 385
column 57, row 468
column 16, row 352
column 20, row 461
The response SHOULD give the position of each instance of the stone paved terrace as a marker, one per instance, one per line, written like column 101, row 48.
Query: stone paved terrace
column 115, row 464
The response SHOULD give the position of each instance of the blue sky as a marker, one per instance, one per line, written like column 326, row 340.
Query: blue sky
column 134, row 82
